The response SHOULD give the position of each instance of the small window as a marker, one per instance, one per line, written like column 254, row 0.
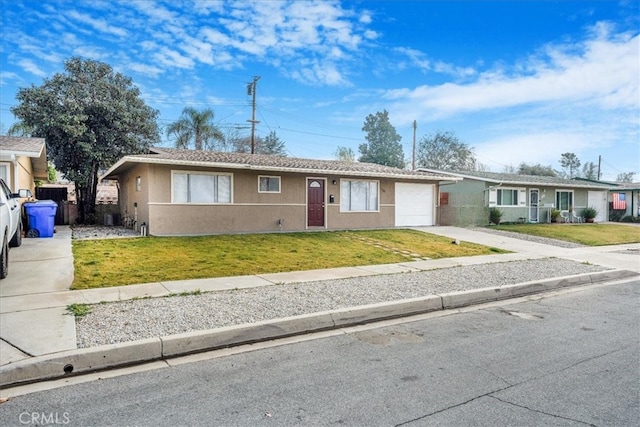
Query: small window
column 507, row 197
column 358, row 196
column 564, row 200
column 268, row 184
column 138, row 183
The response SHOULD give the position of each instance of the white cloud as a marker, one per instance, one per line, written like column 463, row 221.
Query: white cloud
column 421, row 60
column 172, row 58
column 99, row 24
column 6, row 76
column 145, row 69
column 91, row 53
column 600, row 72
column 30, row 67
column 538, row 147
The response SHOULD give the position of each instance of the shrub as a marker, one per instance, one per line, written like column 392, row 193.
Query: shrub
column 589, row 213
column 630, row 218
column 555, row 214
column 495, row 215
column 615, row 216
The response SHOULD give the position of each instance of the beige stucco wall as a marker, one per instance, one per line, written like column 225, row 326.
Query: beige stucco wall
column 20, row 174
column 26, row 179
column 250, row 211
column 129, row 197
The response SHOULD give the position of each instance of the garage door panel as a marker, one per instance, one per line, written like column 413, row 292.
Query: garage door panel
column 598, row 200
column 414, row 204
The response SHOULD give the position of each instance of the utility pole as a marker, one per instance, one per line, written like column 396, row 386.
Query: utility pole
column 599, row 161
column 413, row 162
column 251, row 90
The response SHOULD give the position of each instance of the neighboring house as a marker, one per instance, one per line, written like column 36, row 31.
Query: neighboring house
column 624, row 200
column 188, row 192
column 521, row 198
column 23, row 161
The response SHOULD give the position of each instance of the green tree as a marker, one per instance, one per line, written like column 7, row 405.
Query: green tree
column 272, row 145
column 52, row 175
column 345, row 154
column 444, row 151
column 90, row 116
column 383, row 142
column 625, row 177
column 537, row 169
column 590, row 171
column 570, row 162
column 196, row 127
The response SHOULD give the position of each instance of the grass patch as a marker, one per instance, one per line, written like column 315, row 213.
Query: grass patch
column 79, row 310
column 586, row 234
column 117, row 262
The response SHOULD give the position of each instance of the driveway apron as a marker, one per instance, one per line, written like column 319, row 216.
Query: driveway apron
column 38, row 270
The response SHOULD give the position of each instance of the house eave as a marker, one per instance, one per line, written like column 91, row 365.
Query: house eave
column 506, row 182
column 111, row 173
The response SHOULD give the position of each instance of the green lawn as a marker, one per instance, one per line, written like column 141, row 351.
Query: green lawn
column 117, row 262
column 586, row 234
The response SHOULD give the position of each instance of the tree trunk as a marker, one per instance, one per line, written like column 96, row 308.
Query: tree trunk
column 86, row 195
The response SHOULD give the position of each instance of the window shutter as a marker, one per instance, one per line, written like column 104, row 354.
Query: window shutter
column 522, row 197
column 493, row 197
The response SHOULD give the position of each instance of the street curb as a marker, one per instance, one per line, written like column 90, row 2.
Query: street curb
column 80, row 361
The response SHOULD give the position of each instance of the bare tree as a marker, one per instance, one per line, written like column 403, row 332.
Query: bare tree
column 345, row 154
column 444, row 151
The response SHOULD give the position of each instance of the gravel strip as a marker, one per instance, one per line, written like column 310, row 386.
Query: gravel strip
column 529, row 238
column 87, row 232
column 147, row 318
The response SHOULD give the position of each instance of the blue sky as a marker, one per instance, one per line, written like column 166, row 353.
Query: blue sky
column 519, row 81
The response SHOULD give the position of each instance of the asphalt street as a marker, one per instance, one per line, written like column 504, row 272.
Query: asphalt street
column 565, row 358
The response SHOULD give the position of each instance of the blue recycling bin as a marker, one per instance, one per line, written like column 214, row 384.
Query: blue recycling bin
column 41, row 217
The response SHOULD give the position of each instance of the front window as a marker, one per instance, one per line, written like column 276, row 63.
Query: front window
column 564, row 200
column 358, row 196
column 507, row 197
column 268, row 184
column 198, row 187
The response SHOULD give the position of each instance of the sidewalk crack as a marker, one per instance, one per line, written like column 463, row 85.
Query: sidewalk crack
column 17, row 348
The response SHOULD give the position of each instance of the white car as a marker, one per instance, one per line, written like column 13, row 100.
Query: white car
column 10, row 223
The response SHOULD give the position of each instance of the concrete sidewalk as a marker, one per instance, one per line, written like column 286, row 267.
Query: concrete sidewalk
column 34, row 327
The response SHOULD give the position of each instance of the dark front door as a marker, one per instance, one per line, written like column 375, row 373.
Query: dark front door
column 315, row 203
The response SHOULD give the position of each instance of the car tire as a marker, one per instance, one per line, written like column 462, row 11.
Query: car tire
column 4, row 258
column 16, row 240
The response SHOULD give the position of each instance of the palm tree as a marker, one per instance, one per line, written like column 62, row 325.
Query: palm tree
column 197, row 126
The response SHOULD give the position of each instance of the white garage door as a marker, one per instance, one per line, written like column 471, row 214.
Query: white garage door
column 598, row 200
column 414, row 204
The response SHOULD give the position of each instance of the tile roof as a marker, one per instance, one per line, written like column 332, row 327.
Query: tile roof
column 269, row 163
column 515, row 179
column 22, row 144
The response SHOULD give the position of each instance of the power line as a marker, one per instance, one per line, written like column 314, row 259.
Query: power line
column 320, row 134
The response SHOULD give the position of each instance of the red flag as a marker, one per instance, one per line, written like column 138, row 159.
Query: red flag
column 619, row 201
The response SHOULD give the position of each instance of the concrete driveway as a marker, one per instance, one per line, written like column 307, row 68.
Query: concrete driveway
column 37, row 269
